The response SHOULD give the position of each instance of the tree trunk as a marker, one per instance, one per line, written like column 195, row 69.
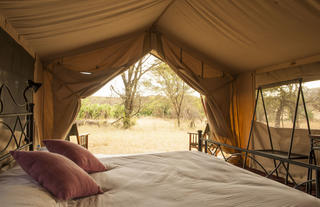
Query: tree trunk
column 126, row 122
column 178, row 116
column 278, row 114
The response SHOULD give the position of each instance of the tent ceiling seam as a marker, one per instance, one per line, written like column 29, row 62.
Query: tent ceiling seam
column 203, row 57
column 293, row 63
column 162, row 13
column 91, row 47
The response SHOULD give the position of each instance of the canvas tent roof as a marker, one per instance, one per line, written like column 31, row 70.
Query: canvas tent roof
column 207, row 42
column 238, row 35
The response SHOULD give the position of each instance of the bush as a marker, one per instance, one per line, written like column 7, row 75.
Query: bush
column 117, row 111
column 99, row 111
column 155, row 106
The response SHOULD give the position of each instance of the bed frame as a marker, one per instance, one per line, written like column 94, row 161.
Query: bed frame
column 280, row 158
column 207, row 145
column 22, row 120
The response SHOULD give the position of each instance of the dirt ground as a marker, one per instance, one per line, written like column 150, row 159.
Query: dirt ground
column 148, row 135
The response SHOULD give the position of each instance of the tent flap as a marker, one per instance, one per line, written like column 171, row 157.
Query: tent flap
column 69, row 85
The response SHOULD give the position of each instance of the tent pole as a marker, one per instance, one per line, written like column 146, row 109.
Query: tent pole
column 305, row 111
column 268, row 127
column 251, row 128
column 312, row 156
column 293, row 129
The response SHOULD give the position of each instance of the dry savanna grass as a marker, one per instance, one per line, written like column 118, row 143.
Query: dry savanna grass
column 148, row 135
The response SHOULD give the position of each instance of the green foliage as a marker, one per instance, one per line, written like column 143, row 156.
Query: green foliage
column 99, row 111
column 280, row 104
column 128, row 122
column 173, row 99
column 155, row 106
column 170, row 84
column 117, row 111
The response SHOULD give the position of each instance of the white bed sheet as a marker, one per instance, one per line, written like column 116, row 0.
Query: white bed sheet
column 163, row 179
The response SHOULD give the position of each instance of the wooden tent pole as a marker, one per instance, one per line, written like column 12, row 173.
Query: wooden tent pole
column 251, row 128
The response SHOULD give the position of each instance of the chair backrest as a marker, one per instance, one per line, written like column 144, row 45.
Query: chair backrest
column 82, row 139
column 206, row 131
column 193, row 137
column 73, row 132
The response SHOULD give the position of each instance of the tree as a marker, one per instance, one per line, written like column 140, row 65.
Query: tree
column 286, row 99
column 280, row 104
column 130, row 95
column 173, row 87
column 314, row 98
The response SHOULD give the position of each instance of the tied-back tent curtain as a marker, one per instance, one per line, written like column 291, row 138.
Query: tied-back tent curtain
column 65, row 84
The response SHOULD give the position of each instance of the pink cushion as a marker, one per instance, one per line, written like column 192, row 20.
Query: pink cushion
column 59, row 175
column 78, row 154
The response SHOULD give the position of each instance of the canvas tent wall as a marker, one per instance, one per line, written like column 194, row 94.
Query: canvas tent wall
column 221, row 48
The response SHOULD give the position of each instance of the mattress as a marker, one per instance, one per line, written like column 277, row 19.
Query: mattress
column 163, row 179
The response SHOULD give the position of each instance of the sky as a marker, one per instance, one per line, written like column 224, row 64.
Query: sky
column 105, row 91
column 312, row 84
column 117, row 83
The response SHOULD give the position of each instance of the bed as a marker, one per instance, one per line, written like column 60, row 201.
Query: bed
column 162, row 179
column 184, row 178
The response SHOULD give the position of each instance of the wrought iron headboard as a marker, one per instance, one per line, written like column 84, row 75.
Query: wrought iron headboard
column 19, row 120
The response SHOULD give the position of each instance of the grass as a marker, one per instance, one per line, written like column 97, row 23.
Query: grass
column 148, row 135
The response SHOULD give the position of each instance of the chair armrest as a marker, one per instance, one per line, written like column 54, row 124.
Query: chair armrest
column 84, row 134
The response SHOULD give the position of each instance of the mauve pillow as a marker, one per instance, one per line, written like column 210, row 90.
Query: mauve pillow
column 78, row 154
column 59, row 175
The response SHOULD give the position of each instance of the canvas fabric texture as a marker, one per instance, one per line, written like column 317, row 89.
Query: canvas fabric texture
column 281, row 141
column 239, row 36
column 67, row 85
column 309, row 72
column 220, row 48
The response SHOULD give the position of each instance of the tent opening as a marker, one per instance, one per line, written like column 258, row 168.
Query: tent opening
column 147, row 108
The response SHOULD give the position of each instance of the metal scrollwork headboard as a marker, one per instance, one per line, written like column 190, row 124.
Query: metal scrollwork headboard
column 20, row 120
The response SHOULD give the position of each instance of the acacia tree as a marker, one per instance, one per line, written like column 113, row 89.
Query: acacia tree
column 286, row 100
column 315, row 100
column 172, row 86
column 130, row 96
column 280, row 103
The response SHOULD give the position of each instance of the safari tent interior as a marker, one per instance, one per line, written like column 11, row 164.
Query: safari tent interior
column 224, row 49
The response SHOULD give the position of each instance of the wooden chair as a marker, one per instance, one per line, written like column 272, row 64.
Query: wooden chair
column 193, row 137
column 82, row 139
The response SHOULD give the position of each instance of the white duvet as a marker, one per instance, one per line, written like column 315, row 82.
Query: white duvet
column 163, row 179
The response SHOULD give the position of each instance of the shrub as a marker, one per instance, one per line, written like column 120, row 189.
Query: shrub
column 99, row 111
